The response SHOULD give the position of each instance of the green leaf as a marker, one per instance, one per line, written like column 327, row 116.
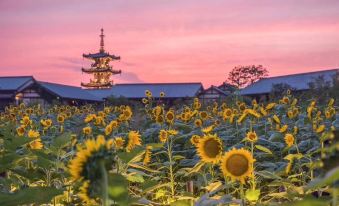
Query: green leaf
column 267, row 175
column 181, row 203
column 62, row 140
column 196, row 168
column 126, row 157
column 31, row 195
column 118, row 189
column 135, row 178
column 264, row 149
column 330, row 177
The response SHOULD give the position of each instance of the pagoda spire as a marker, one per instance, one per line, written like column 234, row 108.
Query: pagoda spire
column 102, row 50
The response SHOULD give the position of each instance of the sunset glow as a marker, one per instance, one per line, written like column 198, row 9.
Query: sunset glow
column 167, row 41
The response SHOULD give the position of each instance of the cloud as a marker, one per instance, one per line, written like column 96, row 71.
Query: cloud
column 128, row 77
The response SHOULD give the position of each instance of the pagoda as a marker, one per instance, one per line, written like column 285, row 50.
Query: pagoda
column 100, row 68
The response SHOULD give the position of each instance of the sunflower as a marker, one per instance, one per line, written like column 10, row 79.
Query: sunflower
column 170, row 116
column 119, row 142
column 36, row 144
column 251, row 136
column 285, row 100
column 33, row 134
column 320, row 129
column 133, row 140
column 195, row 139
column 89, row 118
column 147, row 157
column 210, row 148
column 289, row 139
column 26, row 121
column 46, row 123
column 78, row 163
column 108, row 129
column 283, row 128
column 227, row 113
column 148, row 93
column 276, row 119
column 203, row 115
column 20, row 131
column 207, row 129
column 270, row 106
column 61, row 118
column 162, row 94
column 144, row 100
column 237, row 164
column 163, row 136
column 198, row 122
column 87, row 130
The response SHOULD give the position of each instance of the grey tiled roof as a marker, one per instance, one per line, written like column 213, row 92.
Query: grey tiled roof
column 297, row 81
column 15, row 82
column 69, row 92
column 137, row 91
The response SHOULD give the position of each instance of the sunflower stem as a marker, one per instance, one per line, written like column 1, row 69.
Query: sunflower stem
column 169, row 151
column 104, row 183
column 242, row 196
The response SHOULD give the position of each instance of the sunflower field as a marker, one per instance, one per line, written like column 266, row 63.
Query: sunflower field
column 238, row 152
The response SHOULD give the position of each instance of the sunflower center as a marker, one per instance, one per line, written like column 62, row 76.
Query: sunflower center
column 252, row 136
column 212, row 148
column 237, row 165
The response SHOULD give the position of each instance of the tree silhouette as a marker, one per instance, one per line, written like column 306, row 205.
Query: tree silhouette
column 242, row 76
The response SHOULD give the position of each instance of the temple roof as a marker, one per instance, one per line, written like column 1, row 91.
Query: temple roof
column 68, row 92
column 137, row 91
column 298, row 81
column 15, row 82
column 101, row 55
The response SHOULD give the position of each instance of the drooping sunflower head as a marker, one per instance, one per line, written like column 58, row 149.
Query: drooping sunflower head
column 133, row 140
column 108, row 129
column 251, row 136
column 119, row 142
column 209, row 148
column 237, row 164
column 195, row 139
column 163, row 136
column 289, row 139
column 35, row 144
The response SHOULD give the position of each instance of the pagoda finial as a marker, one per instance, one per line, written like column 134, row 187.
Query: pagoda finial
column 102, row 40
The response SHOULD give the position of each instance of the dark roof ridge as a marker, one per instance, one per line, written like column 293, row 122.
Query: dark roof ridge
column 297, row 74
column 160, row 83
column 58, row 84
column 28, row 76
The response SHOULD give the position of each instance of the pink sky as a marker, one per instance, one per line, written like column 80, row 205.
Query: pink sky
column 167, row 40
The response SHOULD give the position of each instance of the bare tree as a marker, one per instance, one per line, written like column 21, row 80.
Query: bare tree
column 242, row 76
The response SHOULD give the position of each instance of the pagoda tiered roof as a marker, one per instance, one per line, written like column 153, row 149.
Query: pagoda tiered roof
column 97, row 85
column 101, row 55
column 94, row 70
